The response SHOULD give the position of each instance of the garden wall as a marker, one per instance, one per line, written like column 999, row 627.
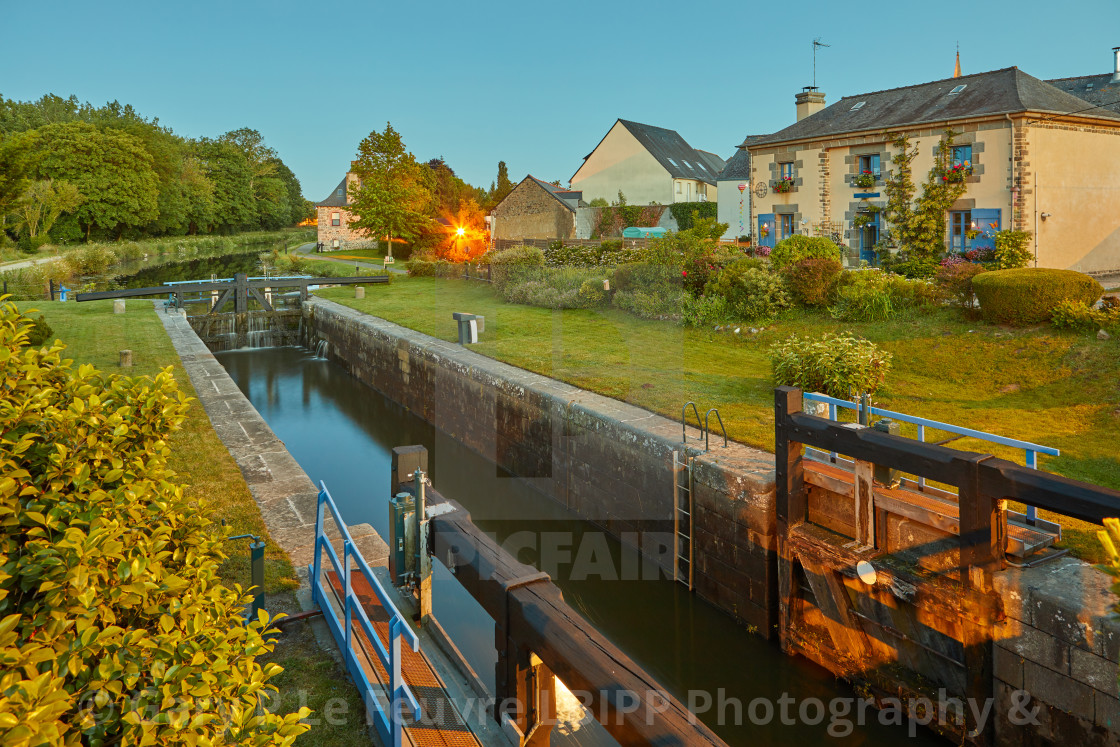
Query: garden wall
column 609, row 462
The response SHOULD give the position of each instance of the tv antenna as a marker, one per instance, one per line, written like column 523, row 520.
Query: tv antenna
column 817, row 43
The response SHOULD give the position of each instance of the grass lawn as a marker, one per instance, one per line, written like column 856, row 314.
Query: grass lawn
column 362, row 255
column 1052, row 388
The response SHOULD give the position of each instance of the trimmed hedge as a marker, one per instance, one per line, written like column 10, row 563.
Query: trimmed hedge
column 1031, row 294
column 798, row 247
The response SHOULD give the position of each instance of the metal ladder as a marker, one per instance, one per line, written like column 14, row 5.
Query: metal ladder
column 682, row 518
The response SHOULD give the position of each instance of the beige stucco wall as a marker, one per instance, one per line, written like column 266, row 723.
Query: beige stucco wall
column 620, row 162
column 1077, row 181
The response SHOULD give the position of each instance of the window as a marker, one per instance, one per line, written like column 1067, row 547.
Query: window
column 869, row 163
column 960, row 223
column 687, row 165
column 858, row 106
column 675, row 166
column 958, row 89
column 962, row 156
column 787, row 225
column 335, row 219
column 339, row 191
column 678, row 187
column 785, row 170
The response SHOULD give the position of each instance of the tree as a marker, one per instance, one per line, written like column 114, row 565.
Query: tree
column 42, row 203
column 111, row 169
column 14, row 152
column 503, row 186
column 229, row 173
column 394, row 194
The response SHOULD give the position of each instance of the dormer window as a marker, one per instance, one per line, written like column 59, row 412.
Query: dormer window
column 858, row 106
column 958, row 89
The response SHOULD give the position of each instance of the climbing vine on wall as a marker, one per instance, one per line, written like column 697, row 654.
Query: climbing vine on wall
column 918, row 225
column 683, row 212
column 620, row 215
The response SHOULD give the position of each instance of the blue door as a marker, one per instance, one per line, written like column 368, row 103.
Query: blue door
column 767, row 231
column 987, row 223
column 868, row 238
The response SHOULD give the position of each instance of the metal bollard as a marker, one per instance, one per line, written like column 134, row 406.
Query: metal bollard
column 883, row 474
column 256, row 570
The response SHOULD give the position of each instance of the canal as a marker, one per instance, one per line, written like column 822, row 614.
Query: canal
column 341, row 432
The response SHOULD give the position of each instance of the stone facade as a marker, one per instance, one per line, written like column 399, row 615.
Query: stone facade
column 532, row 212
column 334, row 220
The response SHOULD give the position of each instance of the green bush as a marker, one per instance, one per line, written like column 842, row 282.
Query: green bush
column 698, row 311
column 1013, row 249
column 812, row 282
column 608, row 253
column 1030, row 295
column 40, row 332
column 1081, row 317
column 875, row 296
column 751, row 293
column 592, row 294
column 113, row 628
column 796, row 248
column 508, row 265
column 839, row 365
column 650, row 304
column 909, row 265
column 646, row 277
column 556, row 288
column 956, row 280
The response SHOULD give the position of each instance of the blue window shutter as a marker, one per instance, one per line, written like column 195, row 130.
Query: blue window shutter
column 767, row 218
column 984, row 220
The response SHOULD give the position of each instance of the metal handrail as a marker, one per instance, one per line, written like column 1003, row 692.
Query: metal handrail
column 684, row 414
column 399, row 694
column 1032, row 450
column 706, row 430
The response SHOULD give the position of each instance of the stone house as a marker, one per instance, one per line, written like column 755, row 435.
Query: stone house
column 649, row 165
column 535, row 209
column 334, row 219
column 1040, row 157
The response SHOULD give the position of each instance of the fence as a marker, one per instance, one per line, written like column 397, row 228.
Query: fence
column 499, row 244
column 398, row 694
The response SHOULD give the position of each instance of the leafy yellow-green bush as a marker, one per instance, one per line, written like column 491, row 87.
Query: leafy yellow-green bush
column 513, row 264
column 812, row 282
column 1031, row 294
column 796, row 248
column 114, row 626
column 751, row 292
column 1081, row 317
column 1110, row 538
column 840, row 365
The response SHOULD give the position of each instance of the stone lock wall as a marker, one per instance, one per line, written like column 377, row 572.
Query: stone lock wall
column 609, row 462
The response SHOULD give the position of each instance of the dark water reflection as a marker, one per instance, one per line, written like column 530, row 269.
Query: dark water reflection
column 342, row 432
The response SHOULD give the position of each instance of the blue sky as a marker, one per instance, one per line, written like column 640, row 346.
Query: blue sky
column 535, row 84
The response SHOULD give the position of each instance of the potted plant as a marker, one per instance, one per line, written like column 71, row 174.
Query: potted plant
column 957, row 174
column 866, row 180
column 784, row 185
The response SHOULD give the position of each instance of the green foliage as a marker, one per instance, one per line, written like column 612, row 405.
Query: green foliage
column 618, row 216
column 751, row 292
column 1013, row 249
column 1030, row 295
column 651, row 304
column 839, row 365
column 557, row 288
column 508, row 266
column 395, row 196
column 1109, row 538
column 908, row 264
column 39, row 333
column 686, row 214
column 956, row 279
column 812, row 282
column 694, row 253
column 796, row 248
column 918, row 225
column 873, row 296
column 113, row 628
column 698, row 311
column 599, row 202
column 1081, row 317
column 608, row 253
column 592, row 294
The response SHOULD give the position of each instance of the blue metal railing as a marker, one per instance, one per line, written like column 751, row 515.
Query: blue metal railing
column 399, row 695
column 1032, row 450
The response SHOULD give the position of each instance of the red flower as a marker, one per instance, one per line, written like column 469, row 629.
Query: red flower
column 684, row 273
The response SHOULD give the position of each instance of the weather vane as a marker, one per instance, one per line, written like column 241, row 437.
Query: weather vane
column 817, row 43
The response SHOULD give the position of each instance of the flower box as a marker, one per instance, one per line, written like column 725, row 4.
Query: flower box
column 866, row 180
column 784, row 185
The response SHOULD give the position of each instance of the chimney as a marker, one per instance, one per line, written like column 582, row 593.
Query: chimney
column 1116, row 65
column 809, row 102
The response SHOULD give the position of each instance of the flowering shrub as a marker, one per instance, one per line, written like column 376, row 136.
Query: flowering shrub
column 783, row 185
column 840, row 365
column 957, row 174
column 955, row 277
column 866, row 180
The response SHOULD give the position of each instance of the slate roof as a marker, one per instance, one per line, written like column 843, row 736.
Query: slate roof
column 335, row 200
column 680, row 159
column 738, row 167
column 1096, row 89
column 1006, row 91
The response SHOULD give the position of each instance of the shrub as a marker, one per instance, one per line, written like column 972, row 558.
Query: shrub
column 751, row 292
column 420, row 268
column 839, row 365
column 796, row 248
column 1081, row 317
column 647, row 277
column 113, row 629
column 556, row 288
column 592, row 294
column 40, row 332
column 651, row 304
column 651, row 291
column 909, row 265
column 875, row 296
column 1030, row 295
column 507, row 265
column 698, row 311
column 812, row 282
column 1013, row 249
column 955, row 278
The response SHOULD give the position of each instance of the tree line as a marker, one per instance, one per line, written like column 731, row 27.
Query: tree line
column 73, row 172
column 422, row 203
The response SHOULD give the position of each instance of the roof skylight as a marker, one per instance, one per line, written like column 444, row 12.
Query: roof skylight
column 675, row 166
column 858, row 106
column 958, row 89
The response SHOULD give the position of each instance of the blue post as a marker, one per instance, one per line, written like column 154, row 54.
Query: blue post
column 1032, row 462
column 346, row 550
column 396, row 702
column 922, row 438
column 62, row 291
